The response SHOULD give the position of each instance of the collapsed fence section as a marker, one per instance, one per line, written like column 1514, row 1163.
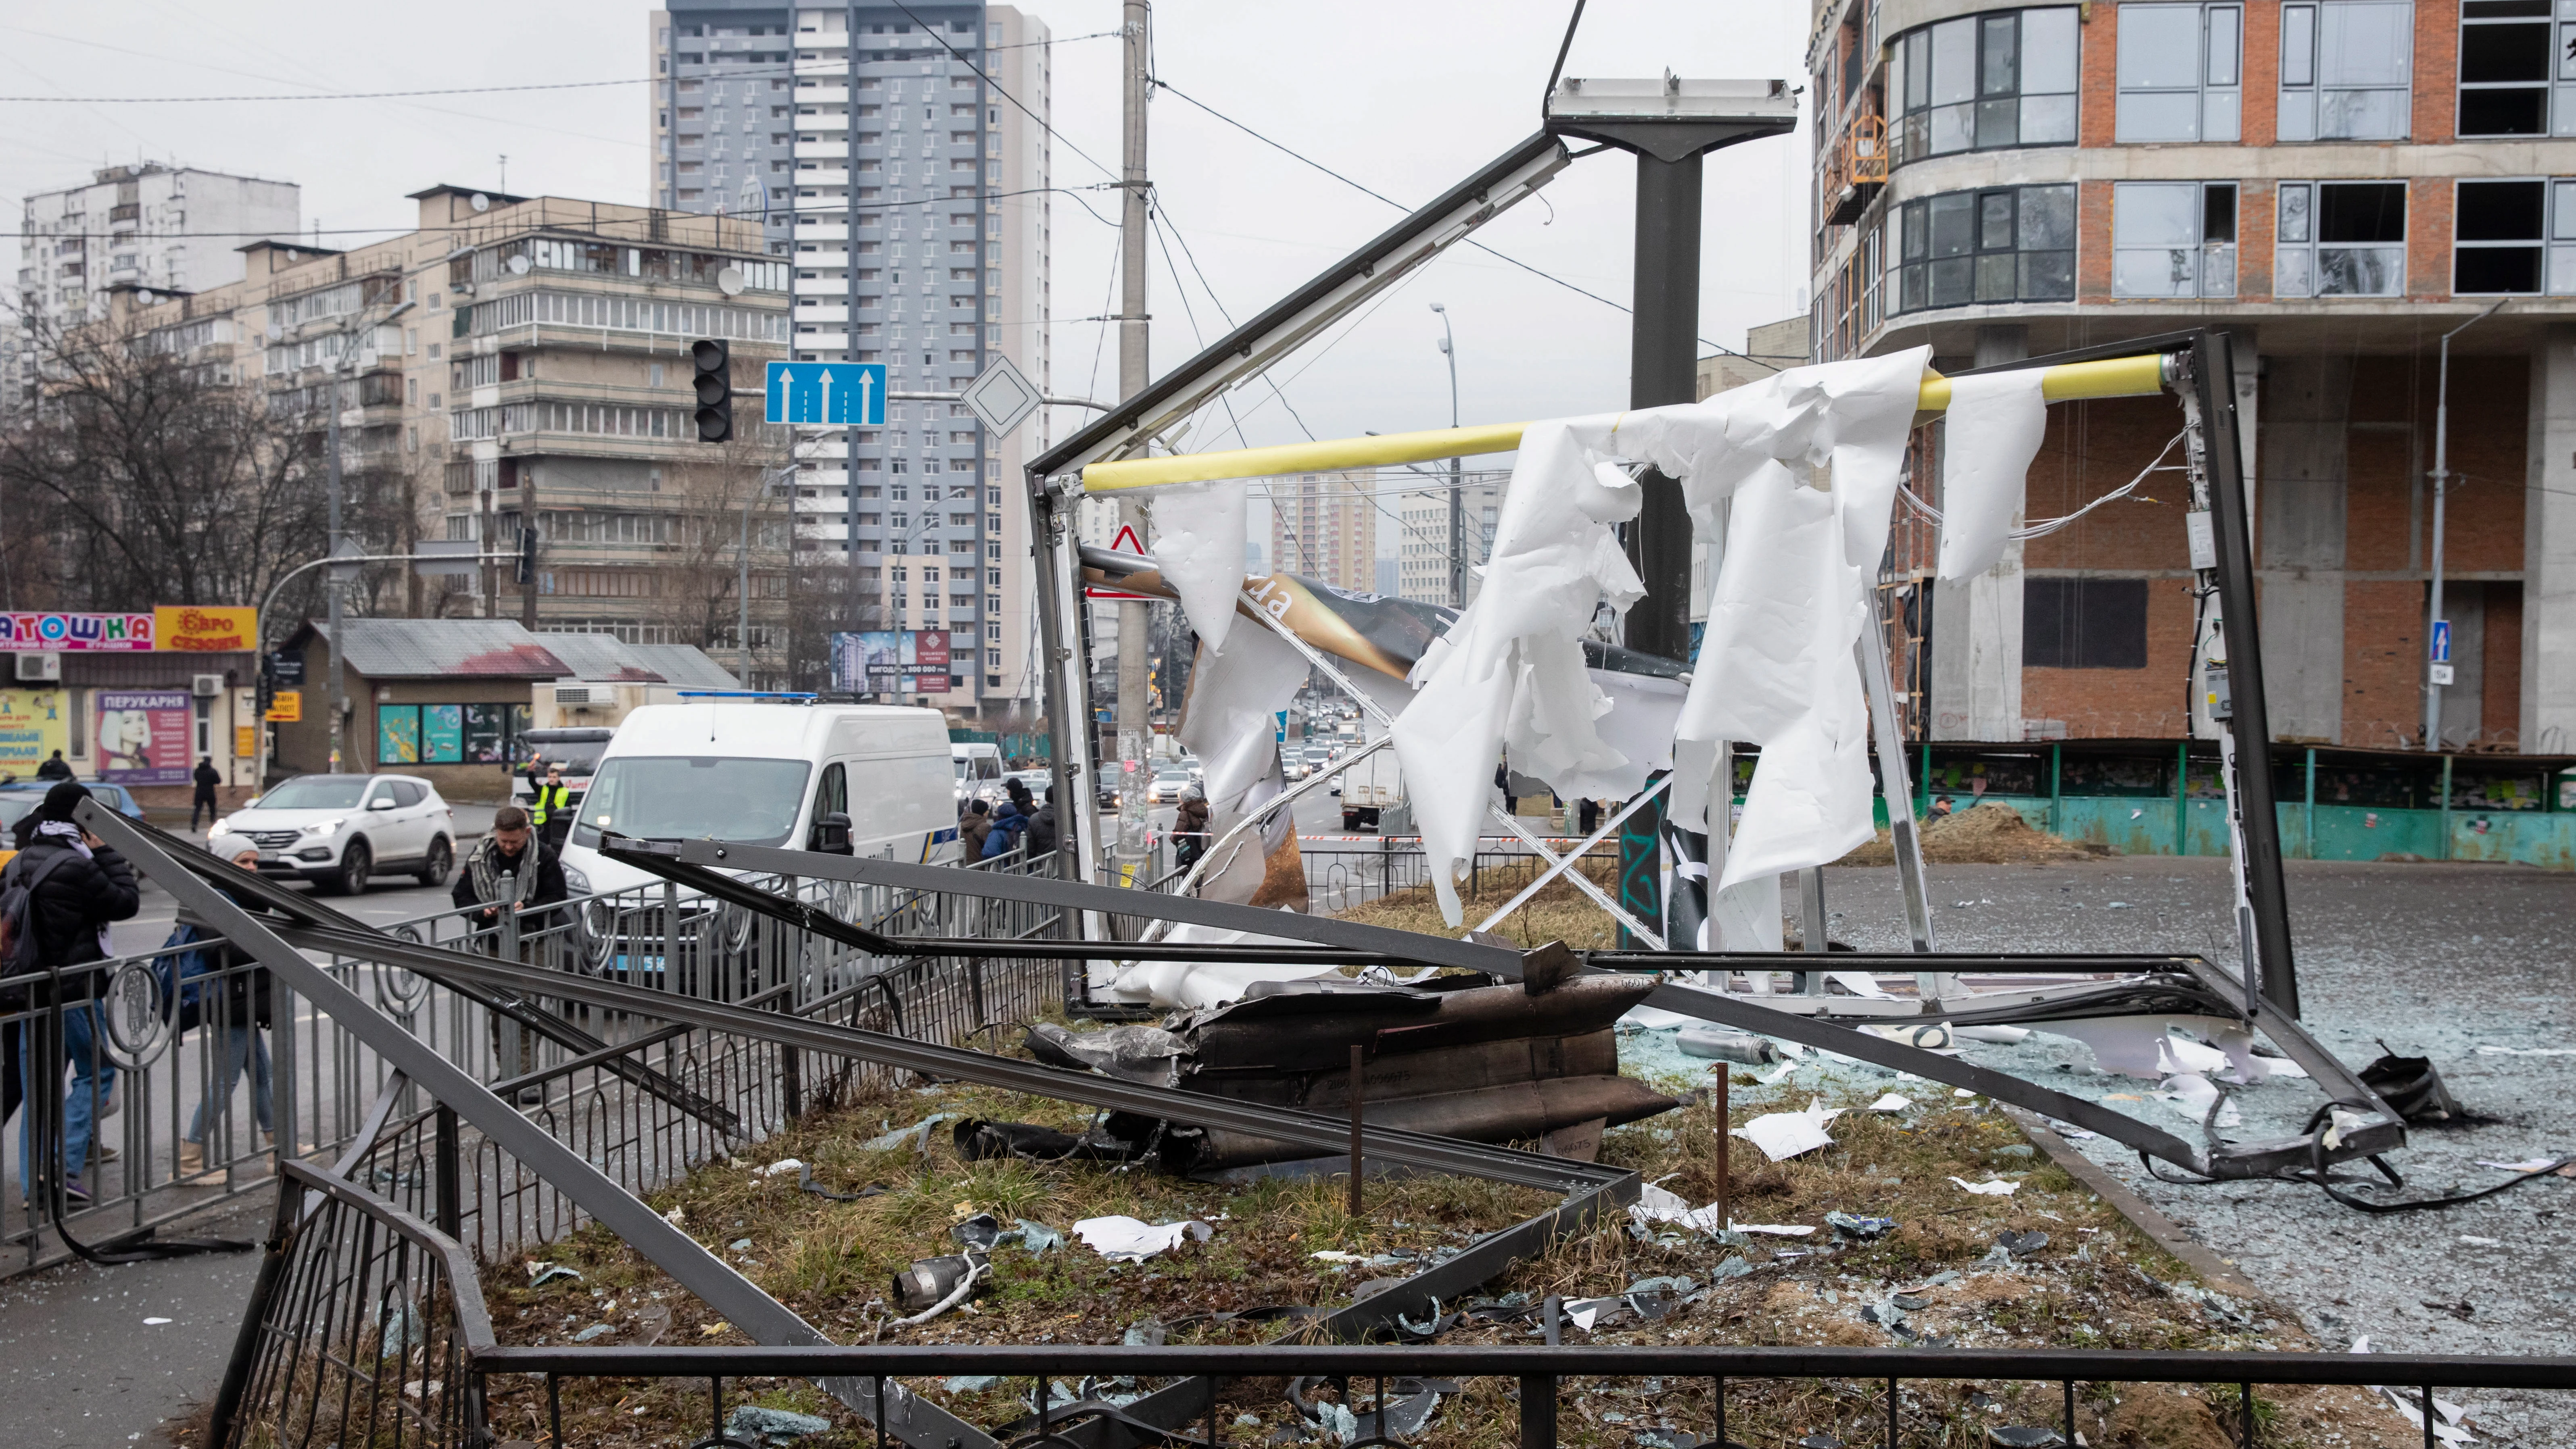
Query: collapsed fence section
column 186, row 1051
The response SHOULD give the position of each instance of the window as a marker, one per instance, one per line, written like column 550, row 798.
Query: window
column 2084, row 623
column 2345, row 70
column 2173, row 239
column 2506, row 68
column 2178, row 72
column 2341, row 239
column 2003, row 245
column 1982, row 81
column 2515, row 237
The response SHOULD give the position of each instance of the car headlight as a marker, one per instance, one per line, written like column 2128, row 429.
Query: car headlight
column 223, row 826
column 325, row 828
column 575, row 881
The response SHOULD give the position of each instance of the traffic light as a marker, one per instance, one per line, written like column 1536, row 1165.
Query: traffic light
column 714, row 362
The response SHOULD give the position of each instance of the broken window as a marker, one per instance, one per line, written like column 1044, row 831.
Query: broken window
column 1985, row 81
column 2340, row 239
column 2505, row 67
column 2499, row 232
column 2179, row 72
column 2173, row 239
column 2005, row 244
column 2085, row 623
column 2347, row 67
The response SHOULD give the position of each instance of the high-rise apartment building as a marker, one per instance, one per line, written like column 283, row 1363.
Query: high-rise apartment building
column 147, row 226
column 2336, row 183
column 1422, row 536
column 1324, row 526
column 523, row 359
column 902, row 160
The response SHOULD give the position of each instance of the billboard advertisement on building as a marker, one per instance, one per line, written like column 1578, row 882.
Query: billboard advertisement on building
column 34, row 723
column 890, row 661
column 142, row 736
column 186, row 626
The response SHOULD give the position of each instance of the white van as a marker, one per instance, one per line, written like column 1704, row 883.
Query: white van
column 979, row 772
column 768, row 772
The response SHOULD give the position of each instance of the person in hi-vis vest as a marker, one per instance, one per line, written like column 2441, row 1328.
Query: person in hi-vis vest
column 551, row 812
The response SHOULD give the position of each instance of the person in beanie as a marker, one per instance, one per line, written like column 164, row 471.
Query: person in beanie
column 972, row 824
column 207, row 778
column 76, row 885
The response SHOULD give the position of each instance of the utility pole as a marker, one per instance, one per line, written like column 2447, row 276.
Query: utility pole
column 1669, row 125
column 1134, row 371
column 1457, row 503
column 2437, row 667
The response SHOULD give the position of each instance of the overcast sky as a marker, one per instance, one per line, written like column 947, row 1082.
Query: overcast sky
column 1406, row 98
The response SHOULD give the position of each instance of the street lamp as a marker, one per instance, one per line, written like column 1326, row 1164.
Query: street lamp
column 1457, row 503
column 2437, row 672
column 332, row 580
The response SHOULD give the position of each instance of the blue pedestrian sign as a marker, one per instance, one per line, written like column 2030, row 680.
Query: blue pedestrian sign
column 826, row 394
column 2441, row 641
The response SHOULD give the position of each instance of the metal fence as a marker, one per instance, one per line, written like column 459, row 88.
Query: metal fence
column 1343, row 871
column 175, row 1136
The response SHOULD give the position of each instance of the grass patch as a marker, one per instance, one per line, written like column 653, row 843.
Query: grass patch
column 1558, row 913
column 2088, row 1287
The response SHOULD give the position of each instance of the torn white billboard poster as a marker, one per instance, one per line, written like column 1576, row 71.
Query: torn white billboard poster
column 1229, row 721
column 1198, row 545
column 1991, row 432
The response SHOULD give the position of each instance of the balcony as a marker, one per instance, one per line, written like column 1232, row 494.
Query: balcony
column 1858, row 171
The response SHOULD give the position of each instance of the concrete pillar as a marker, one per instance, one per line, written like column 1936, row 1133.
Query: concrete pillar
column 2464, row 702
column 2549, row 549
column 2300, row 517
column 1977, row 623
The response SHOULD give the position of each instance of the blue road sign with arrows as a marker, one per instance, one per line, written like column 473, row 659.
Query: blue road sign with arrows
column 826, row 394
column 2441, row 641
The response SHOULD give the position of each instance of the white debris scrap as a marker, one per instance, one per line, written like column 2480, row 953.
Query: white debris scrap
column 1892, row 1103
column 1130, row 1240
column 1783, row 1135
column 1991, row 1187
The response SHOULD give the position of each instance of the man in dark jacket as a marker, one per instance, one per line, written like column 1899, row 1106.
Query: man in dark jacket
column 1190, row 828
column 972, row 823
column 78, row 885
column 1041, row 839
column 536, row 879
column 207, row 778
column 56, row 768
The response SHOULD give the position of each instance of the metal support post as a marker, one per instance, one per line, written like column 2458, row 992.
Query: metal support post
column 451, row 1191
column 1880, row 688
column 1135, row 370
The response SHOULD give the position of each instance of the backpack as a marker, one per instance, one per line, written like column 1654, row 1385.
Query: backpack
column 18, row 953
column 181, row 972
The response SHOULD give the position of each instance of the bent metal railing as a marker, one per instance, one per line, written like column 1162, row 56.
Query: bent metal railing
column 361, row 1328
column 173, row 1138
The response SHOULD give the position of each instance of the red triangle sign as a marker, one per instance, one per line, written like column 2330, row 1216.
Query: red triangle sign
column 1125, row 542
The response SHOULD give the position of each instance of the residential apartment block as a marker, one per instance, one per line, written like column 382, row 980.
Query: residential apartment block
column 1422, row 536
column 1324, row 526
column 901, row 167
column 2337, row 183
column 526, row 359
column 163, row 228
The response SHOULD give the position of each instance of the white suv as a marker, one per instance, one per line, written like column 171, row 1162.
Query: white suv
column 338, row 830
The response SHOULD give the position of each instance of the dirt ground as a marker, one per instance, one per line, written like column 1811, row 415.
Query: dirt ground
column 1979, row 835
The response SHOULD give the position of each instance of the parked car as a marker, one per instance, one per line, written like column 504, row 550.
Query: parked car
column 339, row 831
column 20, row 796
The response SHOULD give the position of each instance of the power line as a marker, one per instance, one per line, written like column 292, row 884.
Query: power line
column 1400, row 206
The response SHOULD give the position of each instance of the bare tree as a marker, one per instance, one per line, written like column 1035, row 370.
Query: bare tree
column 148, row 475
column 719, row 489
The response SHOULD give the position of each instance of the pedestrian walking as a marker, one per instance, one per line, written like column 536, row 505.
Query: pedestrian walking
column 221, row 987
column 510, row 869
column 1190, row 828
column 56, row 768
column 1003, row 836
column 1041, row 833
column 74, row 884
column 207, row 778
column 973, row 823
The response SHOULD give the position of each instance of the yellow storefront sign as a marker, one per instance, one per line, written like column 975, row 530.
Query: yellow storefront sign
column 205, row 629
column 245, row 742
column 286, row 707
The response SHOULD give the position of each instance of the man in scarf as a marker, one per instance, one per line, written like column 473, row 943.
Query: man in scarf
column 76, row 885
column 510, row 869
